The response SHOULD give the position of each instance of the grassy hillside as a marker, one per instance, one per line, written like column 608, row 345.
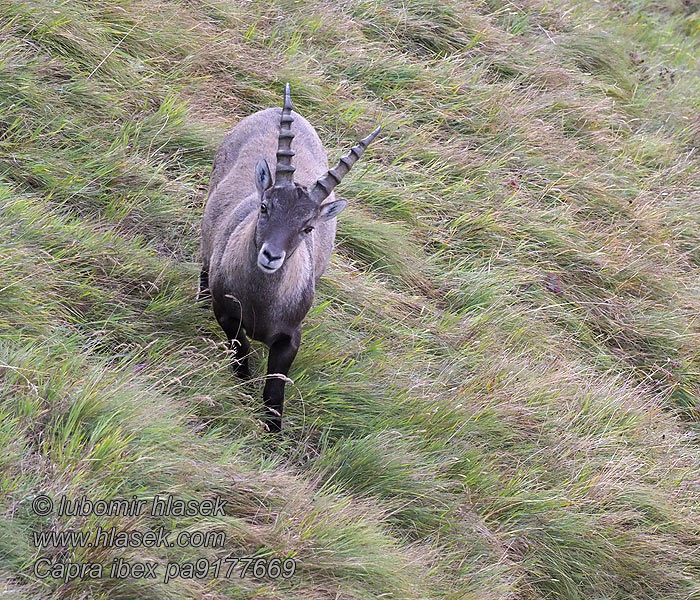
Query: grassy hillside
column 498, row 390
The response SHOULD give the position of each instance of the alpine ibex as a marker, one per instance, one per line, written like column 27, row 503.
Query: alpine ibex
column 265, row 242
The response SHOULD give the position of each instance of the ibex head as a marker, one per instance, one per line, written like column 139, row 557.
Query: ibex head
column 288, row 210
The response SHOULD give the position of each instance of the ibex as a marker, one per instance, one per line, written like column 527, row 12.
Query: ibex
column 266, row 242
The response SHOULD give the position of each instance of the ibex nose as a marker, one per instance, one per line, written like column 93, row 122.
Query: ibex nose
column 268, row 255
column 270, row 261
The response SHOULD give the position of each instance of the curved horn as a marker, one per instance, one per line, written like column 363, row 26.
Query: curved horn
column 324, row 185
column 284, row 173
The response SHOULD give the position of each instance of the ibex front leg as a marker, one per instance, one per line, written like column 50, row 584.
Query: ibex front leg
column 282, row 353
column 237, row 339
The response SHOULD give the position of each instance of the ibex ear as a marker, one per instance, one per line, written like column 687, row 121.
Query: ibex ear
column 263, row 179
column 331, row 210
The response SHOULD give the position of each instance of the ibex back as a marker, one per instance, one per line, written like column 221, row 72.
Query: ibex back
column 265, row 241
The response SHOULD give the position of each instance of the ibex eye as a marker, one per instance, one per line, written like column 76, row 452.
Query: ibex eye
column 308, row 229
column 263, row 208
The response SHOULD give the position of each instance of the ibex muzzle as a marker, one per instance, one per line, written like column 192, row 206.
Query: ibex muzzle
column 266, row 241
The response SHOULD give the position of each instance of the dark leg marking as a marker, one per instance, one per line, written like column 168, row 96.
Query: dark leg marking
column 282, row 354
column 237, row 339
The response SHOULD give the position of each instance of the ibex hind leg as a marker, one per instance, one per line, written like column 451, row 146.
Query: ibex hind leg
column 203, row 293
column 237, row 339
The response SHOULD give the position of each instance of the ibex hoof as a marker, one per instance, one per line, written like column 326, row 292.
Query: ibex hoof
column 273, row 420
column 272, row 425
column 243, row 372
